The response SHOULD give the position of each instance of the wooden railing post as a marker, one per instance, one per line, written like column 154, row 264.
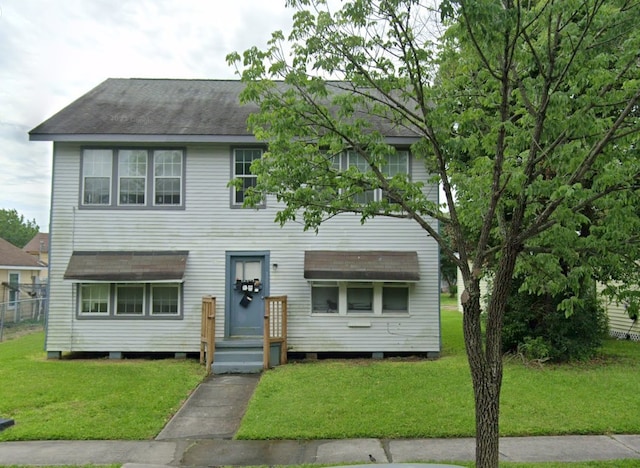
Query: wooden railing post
column 283, row 332
column 275, row 327
column 266, row 346
column 207, row 331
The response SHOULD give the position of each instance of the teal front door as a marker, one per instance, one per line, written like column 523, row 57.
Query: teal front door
column 246, row 290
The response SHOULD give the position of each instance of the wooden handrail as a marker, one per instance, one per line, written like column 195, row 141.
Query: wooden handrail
column 275, row 327
column 208, row 332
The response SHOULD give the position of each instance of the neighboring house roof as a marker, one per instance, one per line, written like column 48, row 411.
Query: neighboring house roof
column 12, row 257
column 165, row 110
column 361, row 265
column 127, row 266
column 39, row 244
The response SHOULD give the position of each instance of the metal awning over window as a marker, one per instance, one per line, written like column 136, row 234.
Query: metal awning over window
column 368, row 265
column 149, row 266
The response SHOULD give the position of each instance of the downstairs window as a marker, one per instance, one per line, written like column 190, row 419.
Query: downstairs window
column 358, row 298
column 130, row 300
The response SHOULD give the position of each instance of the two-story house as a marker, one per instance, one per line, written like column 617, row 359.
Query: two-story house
column 144, row 224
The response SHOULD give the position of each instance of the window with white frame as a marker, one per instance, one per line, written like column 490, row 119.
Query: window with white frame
column 96, row 176
column 359, row 298
column 242, row 160
column 132, row 177
column 396, row 163
column 325, row 297
column 165, row 299
column 167, row 177
column 130, row 300
column 358, row 161
column 395, row 298
column 351, row 298
column 94, row 298
column 151, row 178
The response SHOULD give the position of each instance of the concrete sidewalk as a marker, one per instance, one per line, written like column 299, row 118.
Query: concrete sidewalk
column 217, row 452
column 200, row 435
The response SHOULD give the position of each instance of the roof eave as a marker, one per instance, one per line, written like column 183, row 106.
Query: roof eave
column 23, row 267
column 155, row 138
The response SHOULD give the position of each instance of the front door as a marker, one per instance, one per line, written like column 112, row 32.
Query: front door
column 246, row 289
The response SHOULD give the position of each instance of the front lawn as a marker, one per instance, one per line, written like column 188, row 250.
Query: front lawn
column 88, row 398
column 393, row 398
column 420, row 398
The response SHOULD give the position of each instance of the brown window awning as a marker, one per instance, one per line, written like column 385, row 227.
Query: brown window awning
column 149, row 266
column 368, row 265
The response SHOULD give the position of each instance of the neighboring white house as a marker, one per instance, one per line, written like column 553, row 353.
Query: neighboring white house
column 144, row 224
column 620, row 325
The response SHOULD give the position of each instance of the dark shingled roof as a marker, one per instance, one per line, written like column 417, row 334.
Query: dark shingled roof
column 127, row 266
column 12, row 256
column 367, row 265
column 140, row 109
column 153, row 107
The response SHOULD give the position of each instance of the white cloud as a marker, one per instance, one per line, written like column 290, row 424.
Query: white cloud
column 53, row 52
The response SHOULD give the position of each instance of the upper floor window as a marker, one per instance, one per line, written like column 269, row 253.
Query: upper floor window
column 355, row 159
column 397, row 163
column 96, row 176
column 132, row 177
column 140, row 177
column 167, row 176
column 242, row 159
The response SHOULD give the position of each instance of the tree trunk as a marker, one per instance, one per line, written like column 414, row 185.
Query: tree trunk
column 485, row 356
column 486, row 387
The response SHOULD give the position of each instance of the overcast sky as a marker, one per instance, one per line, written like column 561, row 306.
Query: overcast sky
column 52, row 52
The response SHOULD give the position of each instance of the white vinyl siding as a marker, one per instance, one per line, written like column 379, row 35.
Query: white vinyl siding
column 207, row 228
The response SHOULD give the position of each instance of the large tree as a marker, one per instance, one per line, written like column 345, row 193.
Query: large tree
column 526, row 113
column 15, row 229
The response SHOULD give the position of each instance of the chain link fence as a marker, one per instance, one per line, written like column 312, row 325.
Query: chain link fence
column 23, row 314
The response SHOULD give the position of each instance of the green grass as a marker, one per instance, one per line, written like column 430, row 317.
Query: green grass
column 420, row 398
column 88, row 398
column 446, row 301
column 392, row 398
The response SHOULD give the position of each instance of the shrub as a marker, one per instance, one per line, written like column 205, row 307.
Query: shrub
column 534, row 327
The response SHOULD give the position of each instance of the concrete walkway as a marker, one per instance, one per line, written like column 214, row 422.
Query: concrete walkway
column 200, row 435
